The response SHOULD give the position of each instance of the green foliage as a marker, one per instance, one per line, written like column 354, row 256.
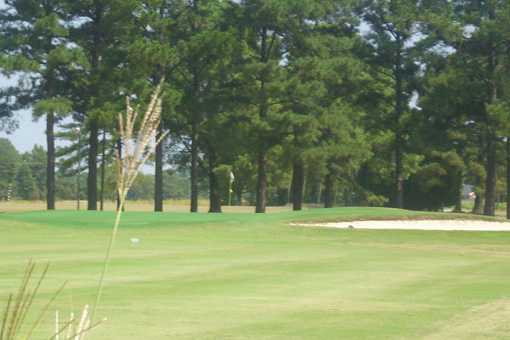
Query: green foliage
column 435, row 185
column 412, row 163
column 222, row 173
column 36, row 160
column 58, row 106
column 9, row 159
column 368, row 96
column 24, row 176
column 35, row 45
column 25, row 183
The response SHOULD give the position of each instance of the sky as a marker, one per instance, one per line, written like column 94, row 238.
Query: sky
column 30, row 132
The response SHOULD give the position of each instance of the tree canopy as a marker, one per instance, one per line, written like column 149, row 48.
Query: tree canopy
column 335, row 102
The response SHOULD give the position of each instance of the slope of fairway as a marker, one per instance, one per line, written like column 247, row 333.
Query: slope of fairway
column 247, row 276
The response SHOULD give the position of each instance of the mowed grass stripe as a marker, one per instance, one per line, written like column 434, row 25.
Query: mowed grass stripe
column 246, row 276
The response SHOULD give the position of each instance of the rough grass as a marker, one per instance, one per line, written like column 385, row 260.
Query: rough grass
column 467, row 205
column 487, row 321
column 247, row 276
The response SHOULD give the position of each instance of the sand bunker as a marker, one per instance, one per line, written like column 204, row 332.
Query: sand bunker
column 465, row 225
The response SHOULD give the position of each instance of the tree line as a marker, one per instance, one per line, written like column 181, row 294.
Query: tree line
column 23, row 177
column 389, row 103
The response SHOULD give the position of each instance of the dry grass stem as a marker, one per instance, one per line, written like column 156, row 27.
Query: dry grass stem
column 138, row 146
column 74, row 329
column 20, row 304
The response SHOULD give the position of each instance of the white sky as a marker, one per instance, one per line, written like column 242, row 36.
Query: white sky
column 29, row 132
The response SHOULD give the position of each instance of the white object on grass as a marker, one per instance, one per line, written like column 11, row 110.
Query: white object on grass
column 135, row 241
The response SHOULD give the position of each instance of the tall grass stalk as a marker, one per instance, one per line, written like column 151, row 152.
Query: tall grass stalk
column 137, row 148
column 75, row 328
column 20, row 304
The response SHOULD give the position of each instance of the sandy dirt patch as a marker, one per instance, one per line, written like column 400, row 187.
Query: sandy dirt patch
column 463, row 225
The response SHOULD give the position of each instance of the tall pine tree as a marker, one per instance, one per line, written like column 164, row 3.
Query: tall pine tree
column 35, row 44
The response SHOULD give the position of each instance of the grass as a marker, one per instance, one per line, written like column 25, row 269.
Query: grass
column 467, row 205
column 247, row 276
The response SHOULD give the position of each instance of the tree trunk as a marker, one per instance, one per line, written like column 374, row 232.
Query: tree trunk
column 261, row 191
column 347, row 197
column 312, row 188
column 214, row 192
column 50, row 161
column 239, row 196
column 103, row 165
column 290, row 190
column 399, row 107
column 491, row 166
column 399, row 181
column 319, row 192
column 158, row 178
column 298, row 181
column 490, row 181
column 194, row 170
column 508, row 178
column 458, row 199
column 119, row 154
column 329, row 190
column 92, row 167
column 95, row 58
column 478, row 206
column 261, row 195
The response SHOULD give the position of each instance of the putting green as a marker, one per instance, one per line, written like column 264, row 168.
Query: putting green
column 247, row 276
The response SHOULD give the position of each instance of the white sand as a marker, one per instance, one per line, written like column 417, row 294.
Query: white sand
column 466, row 225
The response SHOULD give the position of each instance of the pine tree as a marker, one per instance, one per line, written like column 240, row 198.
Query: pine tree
column 102, row 30
column 34, row 42
column 478, row 39
column 203, row 51
column 325, row 39
column 395, row 30
column 266, row 28
column 152, row 56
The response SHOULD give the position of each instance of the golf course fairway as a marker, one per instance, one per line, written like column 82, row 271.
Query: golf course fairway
column 248, row 276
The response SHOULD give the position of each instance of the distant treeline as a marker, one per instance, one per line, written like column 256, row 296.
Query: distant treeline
column 23, row 176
